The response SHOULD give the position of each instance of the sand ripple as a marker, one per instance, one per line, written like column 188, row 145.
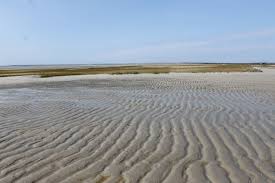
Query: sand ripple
column 166, row 128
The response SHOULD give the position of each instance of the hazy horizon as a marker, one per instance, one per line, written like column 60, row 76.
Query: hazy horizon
column 136, row 63
column 36, row 32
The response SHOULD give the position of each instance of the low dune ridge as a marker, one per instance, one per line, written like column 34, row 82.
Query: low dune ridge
column 189, row 127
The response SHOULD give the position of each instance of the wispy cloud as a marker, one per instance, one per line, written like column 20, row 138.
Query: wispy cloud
column 164, row 47
column 224, row 44
column 248, row 35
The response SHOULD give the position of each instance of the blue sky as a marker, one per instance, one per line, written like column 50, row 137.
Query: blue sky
column 132, row 31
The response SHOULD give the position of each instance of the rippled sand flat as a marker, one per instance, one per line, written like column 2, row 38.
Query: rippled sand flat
column 171, row 128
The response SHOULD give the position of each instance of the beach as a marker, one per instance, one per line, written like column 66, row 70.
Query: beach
column 149, row 128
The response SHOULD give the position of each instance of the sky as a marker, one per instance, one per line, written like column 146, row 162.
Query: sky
column 136, row 31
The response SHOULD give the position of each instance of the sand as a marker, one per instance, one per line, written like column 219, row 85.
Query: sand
column 197, row 128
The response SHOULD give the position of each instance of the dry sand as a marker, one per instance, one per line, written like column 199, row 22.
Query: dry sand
column 170, row 128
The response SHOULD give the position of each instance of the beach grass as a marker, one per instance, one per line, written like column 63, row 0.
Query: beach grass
column 135, row 69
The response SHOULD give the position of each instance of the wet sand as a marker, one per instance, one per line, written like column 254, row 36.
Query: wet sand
column 197, row 128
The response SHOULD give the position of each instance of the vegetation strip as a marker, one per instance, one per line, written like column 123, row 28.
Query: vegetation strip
column 137, row 69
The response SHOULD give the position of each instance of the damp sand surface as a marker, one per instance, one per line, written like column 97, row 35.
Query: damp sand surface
column 148, row 128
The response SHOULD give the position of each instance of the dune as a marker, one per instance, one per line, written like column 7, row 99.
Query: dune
column 170, row 128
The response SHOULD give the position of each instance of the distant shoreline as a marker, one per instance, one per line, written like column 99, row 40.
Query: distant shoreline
column 129, row 64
